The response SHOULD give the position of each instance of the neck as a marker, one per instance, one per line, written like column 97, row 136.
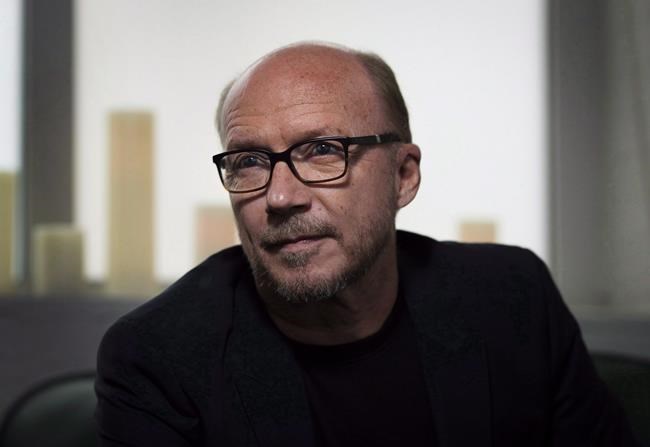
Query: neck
column 356, row 313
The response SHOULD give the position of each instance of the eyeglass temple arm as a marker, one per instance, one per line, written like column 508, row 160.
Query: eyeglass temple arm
column 375, row 139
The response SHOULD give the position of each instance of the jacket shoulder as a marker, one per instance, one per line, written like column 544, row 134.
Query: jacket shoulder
column 483, row 259
column 491, row 285
column 193, row 311
column 206, row 288
column 158, row 366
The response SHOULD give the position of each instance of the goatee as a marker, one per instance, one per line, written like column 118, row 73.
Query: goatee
column 302, row 287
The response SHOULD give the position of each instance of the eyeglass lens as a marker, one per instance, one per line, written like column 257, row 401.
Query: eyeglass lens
column 315, row 161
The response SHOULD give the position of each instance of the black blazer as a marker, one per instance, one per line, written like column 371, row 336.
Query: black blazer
column 504, row 361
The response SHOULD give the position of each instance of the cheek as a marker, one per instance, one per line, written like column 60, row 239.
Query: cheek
column 363, row 209
column 248, row 217
column 374, row 187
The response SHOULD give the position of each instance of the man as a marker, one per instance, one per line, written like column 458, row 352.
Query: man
column 329, row 328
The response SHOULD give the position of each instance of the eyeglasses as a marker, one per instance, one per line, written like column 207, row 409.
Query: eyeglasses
column 318, row 160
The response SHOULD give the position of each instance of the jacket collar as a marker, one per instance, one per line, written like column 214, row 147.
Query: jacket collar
column 269, row 382
column 452, row 352
column 267, row 378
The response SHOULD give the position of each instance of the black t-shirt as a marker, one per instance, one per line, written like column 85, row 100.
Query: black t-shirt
column 370, row 392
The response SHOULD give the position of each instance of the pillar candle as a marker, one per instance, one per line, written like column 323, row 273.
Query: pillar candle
column 215, row 230
column 7, row 215
column 57, row 260
column 130, row 263
column 478, row 231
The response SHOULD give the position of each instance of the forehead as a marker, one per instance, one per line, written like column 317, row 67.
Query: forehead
column 300, row 86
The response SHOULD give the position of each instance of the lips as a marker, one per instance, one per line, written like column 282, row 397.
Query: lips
column 296, row 232
column 293, row 241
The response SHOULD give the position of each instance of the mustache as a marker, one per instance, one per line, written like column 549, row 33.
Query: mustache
column 297, row 228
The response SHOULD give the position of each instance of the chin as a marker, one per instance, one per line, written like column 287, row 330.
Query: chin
column 299, row 278
column 303, row 278
column 304, row 287
column 319, row 272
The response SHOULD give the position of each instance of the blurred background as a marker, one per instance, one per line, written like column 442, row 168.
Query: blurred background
column 533, row 118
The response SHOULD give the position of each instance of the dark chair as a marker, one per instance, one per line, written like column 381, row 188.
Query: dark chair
column 55, row 413
column 629, row 380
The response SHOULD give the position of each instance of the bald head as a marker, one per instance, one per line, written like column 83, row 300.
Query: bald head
column 308, row 70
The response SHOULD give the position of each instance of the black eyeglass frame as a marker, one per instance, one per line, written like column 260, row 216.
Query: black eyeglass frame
column 285, row 156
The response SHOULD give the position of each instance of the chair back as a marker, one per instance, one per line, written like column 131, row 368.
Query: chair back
column 629, row 380
column 55, row 413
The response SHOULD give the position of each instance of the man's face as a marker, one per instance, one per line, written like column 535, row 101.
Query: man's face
column 308, row 242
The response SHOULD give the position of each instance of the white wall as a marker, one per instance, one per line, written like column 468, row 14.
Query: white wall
column 10, row 41
column 472, row 73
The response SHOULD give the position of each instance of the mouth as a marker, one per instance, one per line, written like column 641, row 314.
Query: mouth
column 297, row 236
column 293, row 243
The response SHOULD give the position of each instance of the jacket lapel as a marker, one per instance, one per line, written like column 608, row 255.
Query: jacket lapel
column 453, row 355
column 459, row 392
column 266, row 376
column 269, row 383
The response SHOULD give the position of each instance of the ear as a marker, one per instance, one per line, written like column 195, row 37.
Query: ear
column 408, row 174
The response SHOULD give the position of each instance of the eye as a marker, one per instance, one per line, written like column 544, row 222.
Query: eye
column 244, row 160
column 323, row 151
column 247, row 161
column 324, row 148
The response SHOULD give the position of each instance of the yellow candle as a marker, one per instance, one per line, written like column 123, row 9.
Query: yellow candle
column 478, row 231
column 7, row 213
column 215, row 230
column 57, row 260
column 130, row 263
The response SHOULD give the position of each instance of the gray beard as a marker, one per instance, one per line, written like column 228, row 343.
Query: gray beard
column 362, row 256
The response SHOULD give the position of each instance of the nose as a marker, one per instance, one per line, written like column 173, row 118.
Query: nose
column 285, row 193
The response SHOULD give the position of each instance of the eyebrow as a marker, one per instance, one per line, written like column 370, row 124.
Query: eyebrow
column 250, row 142
column 244, row 143
column 319, row 132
